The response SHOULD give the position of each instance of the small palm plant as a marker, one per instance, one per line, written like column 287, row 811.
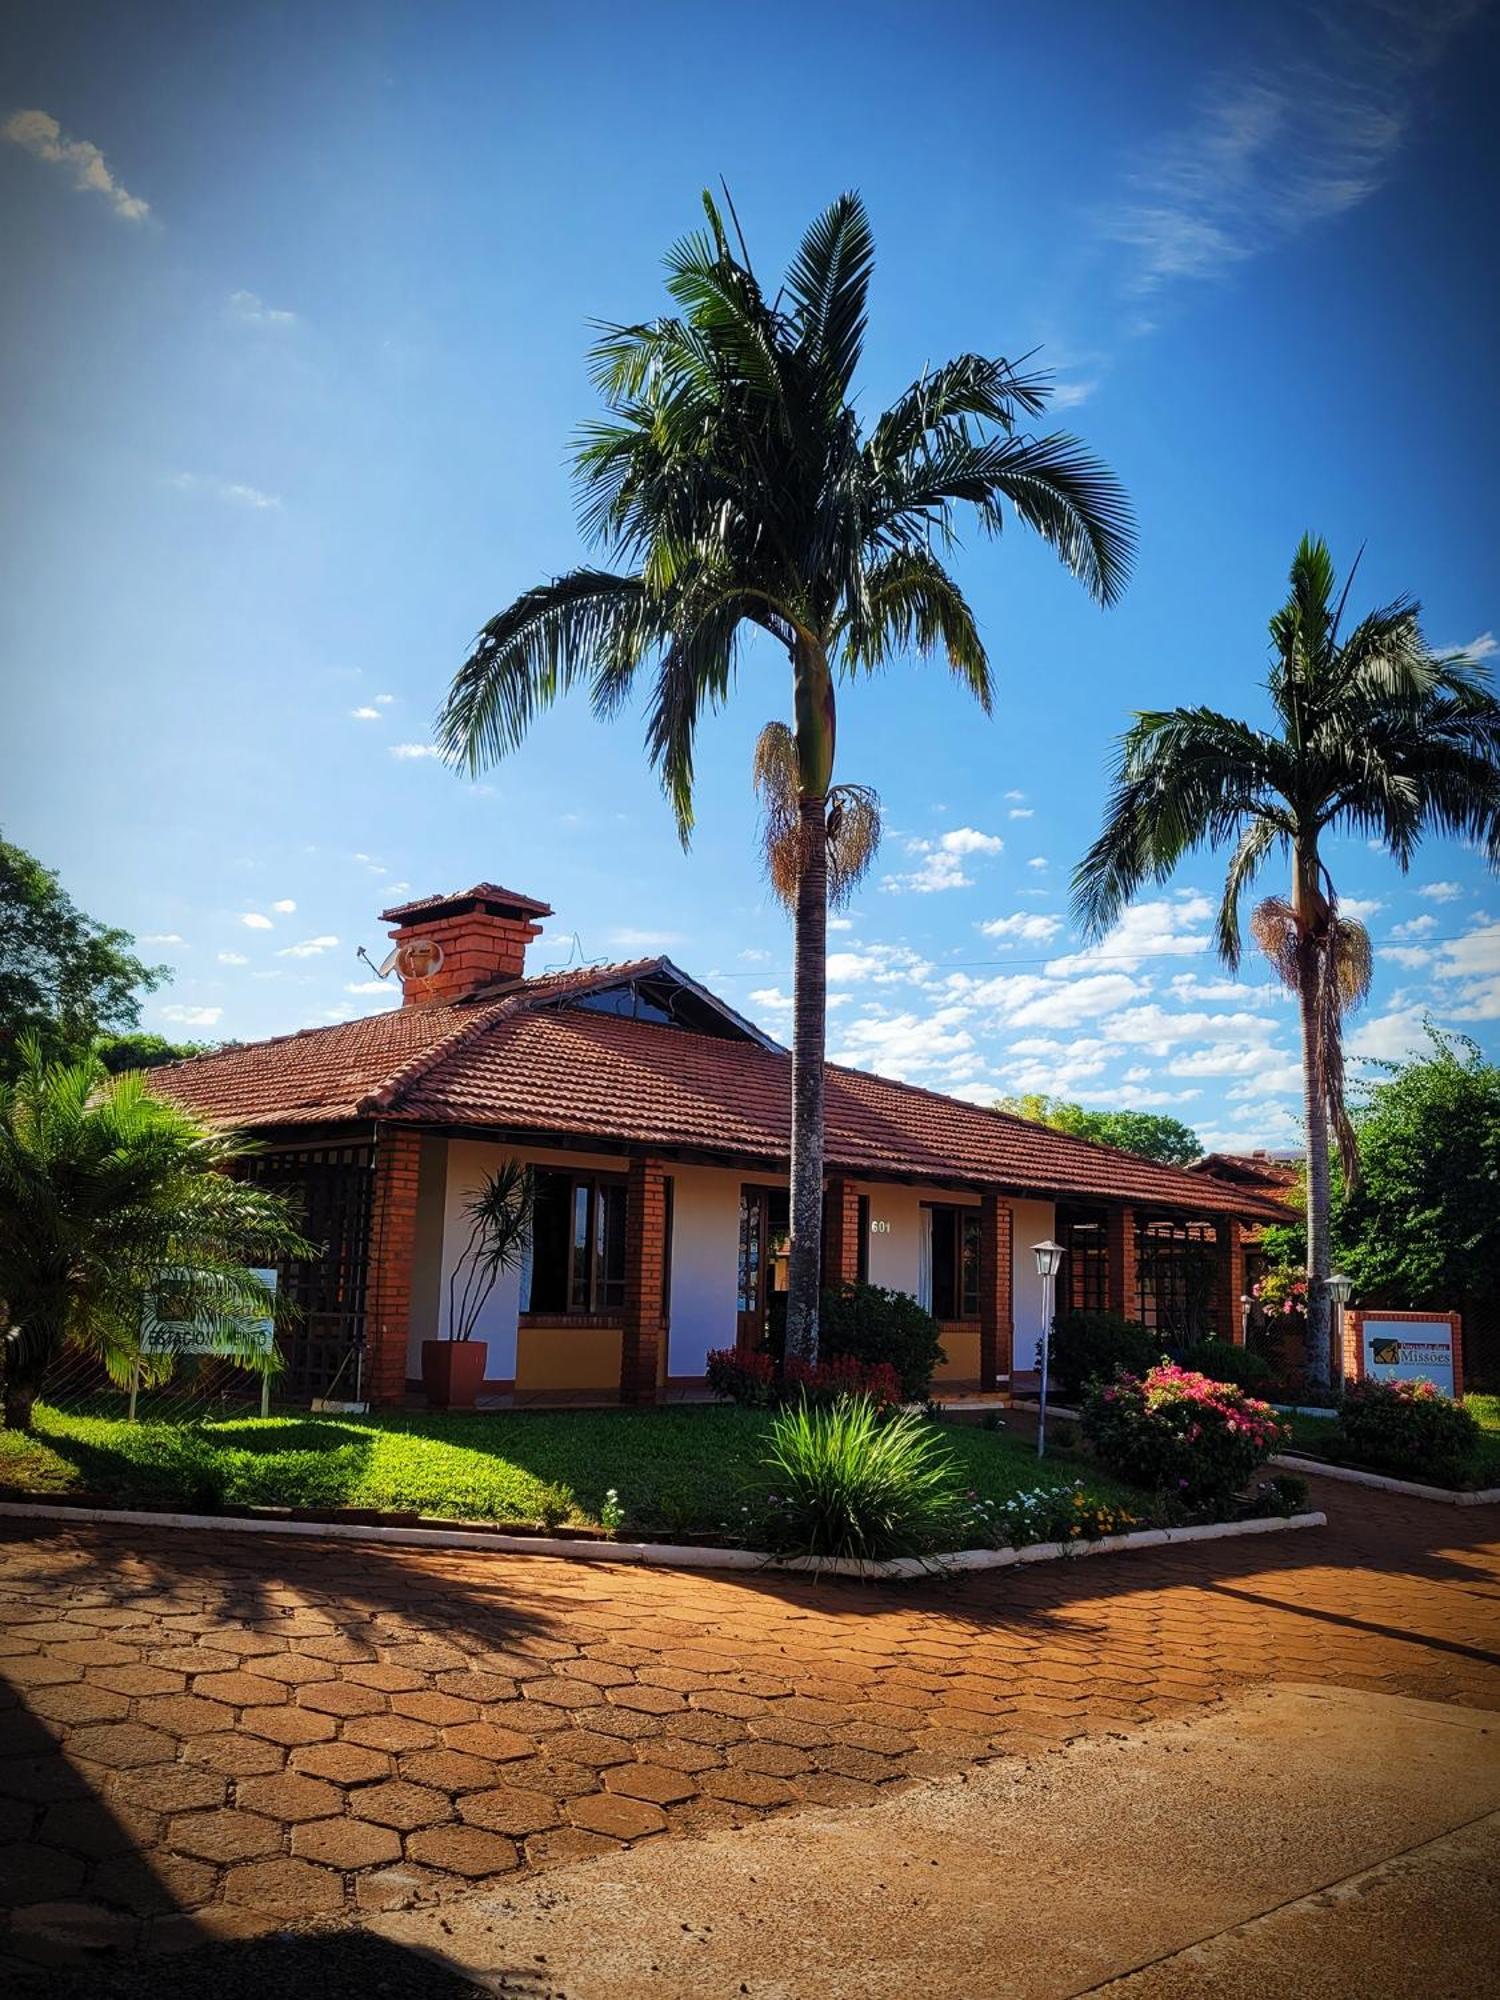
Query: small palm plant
column 1373, row 734
column 105, row 1191
column 499, row 1213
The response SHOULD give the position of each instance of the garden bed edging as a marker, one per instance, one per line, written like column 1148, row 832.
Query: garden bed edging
column 1322, row 1468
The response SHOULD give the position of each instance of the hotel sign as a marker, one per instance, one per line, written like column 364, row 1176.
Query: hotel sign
column 1409, row 1347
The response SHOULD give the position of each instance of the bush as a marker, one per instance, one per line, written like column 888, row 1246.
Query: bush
column 756, row 1382
column 848, row 1482
column 1095, row 1346
column 1046, row 1514
column 1409, row 1429
column 1180, row 1434
column 877, row 1326
column 1222, row 1361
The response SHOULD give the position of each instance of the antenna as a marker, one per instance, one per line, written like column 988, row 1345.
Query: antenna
column 386, row 966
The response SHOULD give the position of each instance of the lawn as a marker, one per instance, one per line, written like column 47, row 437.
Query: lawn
column 676, row 1471
column 1311, row 1434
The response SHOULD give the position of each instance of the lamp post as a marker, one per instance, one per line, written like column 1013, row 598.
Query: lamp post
column 1049, row 1256
column 1339, row 1288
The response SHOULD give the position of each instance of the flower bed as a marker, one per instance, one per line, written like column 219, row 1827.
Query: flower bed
column 1178, row 1433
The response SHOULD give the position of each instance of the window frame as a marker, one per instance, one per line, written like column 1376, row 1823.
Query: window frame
column 592, row 1293
column 962, row 1219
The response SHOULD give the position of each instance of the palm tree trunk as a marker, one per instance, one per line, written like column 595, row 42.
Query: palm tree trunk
column 1315, row 1122
column 809, row 1034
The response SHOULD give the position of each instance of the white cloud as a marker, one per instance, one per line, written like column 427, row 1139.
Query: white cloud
column 1389, row 1037
column 308, row 948
column 1030, row 926
column 877, row 964
column 192, row 1017
column 162, row 937
column 1415, row 927
column 1191, row 990
column 1482, row 647
column 1440, row 892
column 1476, row 953
column 1160, row 1030
column 286, row 906
column 38, row 133
column 1022, row 812
column 841, row 923
column 1031, row 1000
column 1359, row 907
column 254, row 921
column 233, row 492
column 1038, row 861
column 1147, row 930
column 384, row 700
column 233, row 958
column 753, row 955
column 1014, row 795
column 372, row 986
column 254, row 311
column 905, row 1045
column 771, row 996
column 414, row 750
column 1409, row 955
column 643, row 940
column 941, row 864
column 365, row 714
column 1068, row 395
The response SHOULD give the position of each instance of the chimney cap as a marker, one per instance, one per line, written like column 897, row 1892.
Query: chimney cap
column 488, row 896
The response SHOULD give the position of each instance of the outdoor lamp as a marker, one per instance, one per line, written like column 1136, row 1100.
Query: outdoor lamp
column 1049, row 1256
column 1339, row 1288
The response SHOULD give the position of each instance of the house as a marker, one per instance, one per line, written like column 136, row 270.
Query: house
column 656, row 1121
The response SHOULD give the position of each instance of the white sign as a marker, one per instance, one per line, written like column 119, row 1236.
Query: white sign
column 1407, row 1350
column 161, row 1333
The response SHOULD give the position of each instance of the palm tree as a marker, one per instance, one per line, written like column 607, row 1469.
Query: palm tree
column 1373, row 734
column 736, row 490
column 104, row 1190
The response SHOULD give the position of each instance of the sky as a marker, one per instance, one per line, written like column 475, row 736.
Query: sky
column 293, row 342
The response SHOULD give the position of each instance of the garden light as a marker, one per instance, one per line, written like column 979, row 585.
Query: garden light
column 1049, row 1256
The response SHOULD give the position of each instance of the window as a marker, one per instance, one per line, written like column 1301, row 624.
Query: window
column 955, row 1263
column 1085, row 1285
column 578, row 1243
column 1175, row 1273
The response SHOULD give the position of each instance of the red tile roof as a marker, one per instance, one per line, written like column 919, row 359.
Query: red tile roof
column 516, row 1063
column 482, row 892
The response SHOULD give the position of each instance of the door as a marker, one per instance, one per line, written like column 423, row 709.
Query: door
column 765, row 1247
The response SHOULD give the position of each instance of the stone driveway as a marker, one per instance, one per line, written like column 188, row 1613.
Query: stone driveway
column 209, row 1736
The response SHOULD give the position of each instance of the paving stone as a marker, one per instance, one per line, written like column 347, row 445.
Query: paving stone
column 646, row 1700
column 400, row 1804
column 620, row 1819
column 449, row 1770
column 286, row 1888
column 464, row 1850
column 94, row 1829
column 288, row 1796
column 654, row 1783
column 508, row 1809
column 184, row 1714
column 559, row 1692
column 135, row 1680
column 240, row 1690
column 377, row 1674
column 401, row 1888
column 487, row 1739
column 76, row 1702
column 685, row 1756
column 223, row 1835
column 120, row 1745
column 169, row 1788
column 341, row 1763
column 747, row 1788
column 31, row 1873
column 38, row 1780
column 64, row 1934
column 298, row 1670
column 346, row 1843
column 235, row 1755
column 775, row 1760
column 469, row 1685
column 154, row 1883
column 589, row 1746
column 564, row 1845
column 341, row 1697
column 97, row 1652
column 390, row 1732
column 288, row 1726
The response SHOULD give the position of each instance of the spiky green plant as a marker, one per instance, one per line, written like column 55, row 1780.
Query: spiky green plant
column 1373, row 734
column 738, row 494
column 847, row 1482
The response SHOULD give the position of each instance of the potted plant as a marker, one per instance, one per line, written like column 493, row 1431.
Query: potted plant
column 499, row 1217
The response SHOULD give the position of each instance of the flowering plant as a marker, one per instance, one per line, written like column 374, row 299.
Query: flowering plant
column 1045, row 1514
column 1178, row 1433
column 1281, row 1295
column 753, row 1379
column 1406, row 1428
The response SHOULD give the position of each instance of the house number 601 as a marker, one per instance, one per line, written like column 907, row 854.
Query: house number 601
column 880, row 1229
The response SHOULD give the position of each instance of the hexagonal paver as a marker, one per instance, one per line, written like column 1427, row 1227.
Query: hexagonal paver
column 234, row 1754
column 399, row 1804
column 340, row 1763
column 73, row 1702
column 135, row 1680
column 289, row 1796
column 390, row 1732
column 90, row 1827
column 508, row 1809
column 30, row 1873
column 121, row 1745
column 620, row 1819
column 449, row 1770
column 383, row 1677
column 225, row 1835
column 748, row 1788
column 470, row 1685
column 488, row 1739
column 170, row 1788
column 429, row 1706
column 288, row 1725
column 286, row 1888
column 295, row 1669
column 346, row 1843
column 240, row 1690
column 184, row 1714
column 464, row 1850
column 341, row 1697
column 652, row 1782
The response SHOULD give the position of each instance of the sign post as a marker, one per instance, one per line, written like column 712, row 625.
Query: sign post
column 163, row 1335
column 1408, row 1347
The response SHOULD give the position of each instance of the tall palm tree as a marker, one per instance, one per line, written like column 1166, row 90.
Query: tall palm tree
column 103, row 1190
column 738, row 492
column 1373, row 734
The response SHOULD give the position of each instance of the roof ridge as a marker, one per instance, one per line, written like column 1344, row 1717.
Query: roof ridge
column 385, row 1095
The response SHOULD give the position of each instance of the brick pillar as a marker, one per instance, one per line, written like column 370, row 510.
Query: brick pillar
column 841, row 1242
column 996, row 1310
column 1230, row 1281
column 645, row 1280
column 393, row 1242
column 1124, row 1292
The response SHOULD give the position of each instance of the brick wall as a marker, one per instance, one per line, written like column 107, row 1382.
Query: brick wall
column 996, row 1308
column 645, row 1280
column 841, row 1241
column 393, row 1242
column 1124, row 1290
column 1229, row 1286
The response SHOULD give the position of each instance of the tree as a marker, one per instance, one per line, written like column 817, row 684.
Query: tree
column 64, row 977
column 1149, row 1133
column 103, row 1189
column 1373, row 734
column 738, row 491
column 139, row 1049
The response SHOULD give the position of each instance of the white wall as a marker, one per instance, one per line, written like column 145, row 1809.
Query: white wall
column 1034, row 1222
column 705, row 1264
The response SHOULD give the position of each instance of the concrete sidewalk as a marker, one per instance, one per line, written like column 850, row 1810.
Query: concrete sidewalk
column 1297, row 1840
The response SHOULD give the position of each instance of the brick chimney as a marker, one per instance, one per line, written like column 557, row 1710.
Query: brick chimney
column 453, row 945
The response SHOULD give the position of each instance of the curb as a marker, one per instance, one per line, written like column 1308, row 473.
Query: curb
column 667, row 1555
column 1320, row 1468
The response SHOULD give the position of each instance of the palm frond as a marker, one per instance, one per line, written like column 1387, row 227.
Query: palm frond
column 909, row 602
column 829, row 281
column 853, row 821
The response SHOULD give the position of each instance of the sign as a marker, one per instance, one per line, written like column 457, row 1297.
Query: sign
column 168, row 1325
column 1409, row 1347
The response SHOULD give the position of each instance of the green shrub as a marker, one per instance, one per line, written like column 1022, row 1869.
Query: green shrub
column 845, row 1482
column 1044, row 1514
column 1095, row 1346
column 874, row 1326
column 1177, row 1433
column 1408, row 1429
column 1222, row 1361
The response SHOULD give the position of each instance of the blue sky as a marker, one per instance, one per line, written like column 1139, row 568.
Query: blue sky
column 293, row 342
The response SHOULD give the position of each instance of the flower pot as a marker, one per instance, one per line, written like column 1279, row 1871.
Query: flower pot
column 453, row 1372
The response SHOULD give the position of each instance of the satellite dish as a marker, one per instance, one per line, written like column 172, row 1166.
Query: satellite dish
column 419, row 958
column 388, row 964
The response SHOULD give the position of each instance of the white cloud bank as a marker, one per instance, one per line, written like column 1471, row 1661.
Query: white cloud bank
column 38, row 133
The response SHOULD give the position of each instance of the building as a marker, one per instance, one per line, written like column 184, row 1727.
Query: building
column 656, row 1120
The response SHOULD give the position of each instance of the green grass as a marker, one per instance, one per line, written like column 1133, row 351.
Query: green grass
column 1311, row 1434
column 677, row 1471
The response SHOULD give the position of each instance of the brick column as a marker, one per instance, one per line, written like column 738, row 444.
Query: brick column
column 393, row 1242
column 1119, row 1234
column 996, row 1310
column 841, row 1242
column 645, row 1279
column 1230, row 1280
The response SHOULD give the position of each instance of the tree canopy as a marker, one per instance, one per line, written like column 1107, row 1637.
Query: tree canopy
column 65, row 978
column 1149, row 1133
